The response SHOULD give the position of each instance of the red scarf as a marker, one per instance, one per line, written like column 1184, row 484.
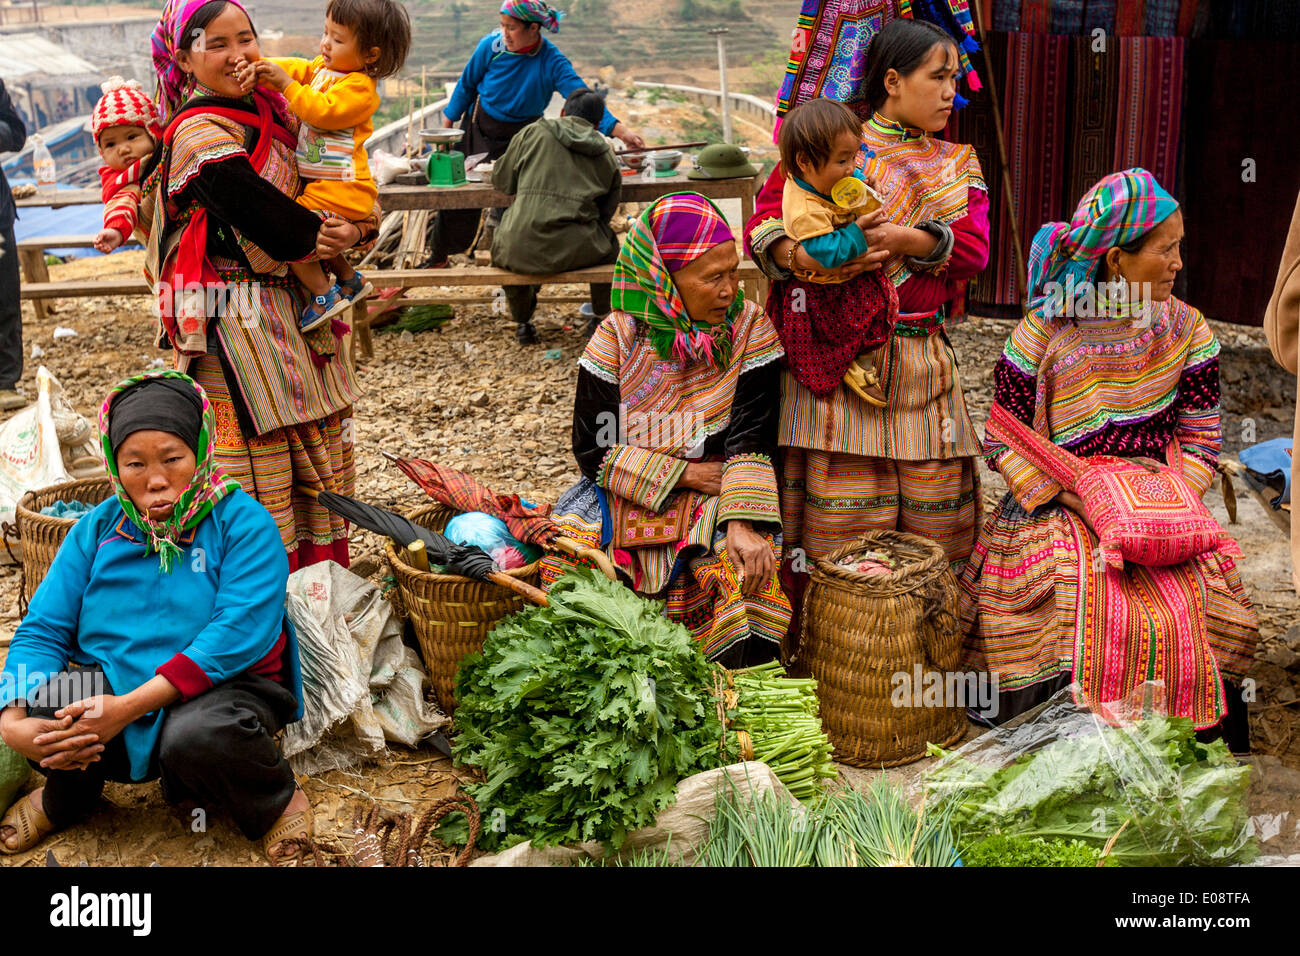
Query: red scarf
column 190, row 262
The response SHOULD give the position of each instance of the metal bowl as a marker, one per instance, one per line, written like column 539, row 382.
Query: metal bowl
column 441, row 136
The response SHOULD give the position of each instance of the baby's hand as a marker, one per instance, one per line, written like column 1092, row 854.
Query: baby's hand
column 871, row 220
column 246, row 73
column 106, row 240
column 268, row 74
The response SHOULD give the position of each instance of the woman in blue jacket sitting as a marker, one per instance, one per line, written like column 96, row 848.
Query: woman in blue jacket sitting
column 158, row 645
column 506, row 85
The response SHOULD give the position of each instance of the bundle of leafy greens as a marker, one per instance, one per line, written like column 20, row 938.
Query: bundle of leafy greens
column 1002, row 850
column 1162, row 797
column 583, row 716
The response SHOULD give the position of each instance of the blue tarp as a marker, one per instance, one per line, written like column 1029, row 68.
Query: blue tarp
column 36, row 221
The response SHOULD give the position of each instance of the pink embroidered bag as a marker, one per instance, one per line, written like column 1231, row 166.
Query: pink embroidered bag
column 1142, row 511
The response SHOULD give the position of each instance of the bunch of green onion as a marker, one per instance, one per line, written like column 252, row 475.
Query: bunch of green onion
column 780, row 721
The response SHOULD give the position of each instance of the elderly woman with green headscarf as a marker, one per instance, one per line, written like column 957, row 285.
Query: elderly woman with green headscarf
column 674, row 429
column 158, row 645
column 1107, row 363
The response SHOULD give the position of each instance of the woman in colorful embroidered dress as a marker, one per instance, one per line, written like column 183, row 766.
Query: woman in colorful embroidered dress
column 1107, row 362
column 158, row 645
column 849, row 467
column 282, row 400
column 674, row 428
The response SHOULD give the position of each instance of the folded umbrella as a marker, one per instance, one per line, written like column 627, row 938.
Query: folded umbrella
column 461, row 492
column 470, row 561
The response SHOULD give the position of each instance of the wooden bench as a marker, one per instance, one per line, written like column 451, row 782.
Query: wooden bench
column 750, row 276
column 31, row 256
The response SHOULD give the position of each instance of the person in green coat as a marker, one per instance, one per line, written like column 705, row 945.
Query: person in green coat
column 566, row 185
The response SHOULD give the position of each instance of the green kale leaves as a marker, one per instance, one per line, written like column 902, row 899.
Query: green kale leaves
column 583, row 716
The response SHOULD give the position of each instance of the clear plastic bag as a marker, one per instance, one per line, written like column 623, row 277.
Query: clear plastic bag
column 1122, row 777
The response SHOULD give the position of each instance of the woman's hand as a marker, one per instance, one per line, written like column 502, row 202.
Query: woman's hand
column 54, row 744
column 705, row 476
column 630, row 139
column 900, row 240
column 869, row 262
column 1072, row 501
column 751, row 554
column 103, row 716
column 334, row 236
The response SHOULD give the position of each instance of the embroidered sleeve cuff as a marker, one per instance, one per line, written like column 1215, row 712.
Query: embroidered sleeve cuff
column 760, row 240
column 1198, row 472
column 186, row 676
column 937, row 259
column 645, row 477
column 749, row 491
column 1030, row 487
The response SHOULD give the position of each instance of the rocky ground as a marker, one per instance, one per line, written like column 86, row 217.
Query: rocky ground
column 469, row 397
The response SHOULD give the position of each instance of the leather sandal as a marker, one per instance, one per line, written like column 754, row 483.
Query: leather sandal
column 31, row 825
column 861, row 380
column 291, row 828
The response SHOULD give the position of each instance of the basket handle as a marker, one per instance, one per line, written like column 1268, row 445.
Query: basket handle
column 522, row 588
column 579, row 550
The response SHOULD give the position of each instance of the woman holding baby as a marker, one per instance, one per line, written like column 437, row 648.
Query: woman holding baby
column 218, row 206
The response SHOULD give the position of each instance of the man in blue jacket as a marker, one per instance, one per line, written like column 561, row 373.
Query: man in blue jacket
column 12, row 136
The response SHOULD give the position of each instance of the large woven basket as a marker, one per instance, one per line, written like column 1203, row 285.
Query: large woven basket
column 451, row 614
column 41, row 535
column 863, row 638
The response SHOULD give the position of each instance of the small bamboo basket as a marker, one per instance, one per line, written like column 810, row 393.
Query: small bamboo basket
column 866, row 637
column 41, row 535
column 451, row 614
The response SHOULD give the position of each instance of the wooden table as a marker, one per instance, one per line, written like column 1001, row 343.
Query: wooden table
column 635, row 189
column 64, row 197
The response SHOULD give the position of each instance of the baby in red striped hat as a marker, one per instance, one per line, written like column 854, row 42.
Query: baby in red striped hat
column 126, row 128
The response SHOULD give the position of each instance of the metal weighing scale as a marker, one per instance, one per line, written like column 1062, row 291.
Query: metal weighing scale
column 446, row 166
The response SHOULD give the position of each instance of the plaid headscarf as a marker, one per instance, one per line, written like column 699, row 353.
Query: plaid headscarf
column 208, row 486
column 533, row 11
column 674, row 231
column 165, row 43
column 1120, row 208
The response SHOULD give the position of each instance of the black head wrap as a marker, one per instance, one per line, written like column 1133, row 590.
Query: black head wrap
column 157, row 404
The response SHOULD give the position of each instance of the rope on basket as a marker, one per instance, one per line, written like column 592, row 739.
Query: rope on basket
column 9, row 530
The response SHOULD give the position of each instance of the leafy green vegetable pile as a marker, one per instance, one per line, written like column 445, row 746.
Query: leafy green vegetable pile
column 1165, row 798
column 1030, row 851
column 583, row 716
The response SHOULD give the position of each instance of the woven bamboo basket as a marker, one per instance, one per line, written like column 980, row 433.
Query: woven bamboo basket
column 451, row 614
column 41, row 535
column 860, row 632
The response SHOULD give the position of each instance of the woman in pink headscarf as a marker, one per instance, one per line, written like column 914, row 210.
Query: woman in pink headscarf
column 219, row 207
column 674, row 428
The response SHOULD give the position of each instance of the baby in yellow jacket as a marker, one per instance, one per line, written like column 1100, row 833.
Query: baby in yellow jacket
column 336, row 96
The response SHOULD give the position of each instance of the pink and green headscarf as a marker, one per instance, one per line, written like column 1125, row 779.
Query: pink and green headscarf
column 533, row 11
column 165, row 43
column 208, row 486
column 1122, row 207
column 671, row 233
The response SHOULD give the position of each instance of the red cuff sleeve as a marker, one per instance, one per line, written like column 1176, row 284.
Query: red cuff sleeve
column 122, row 223
column 186, row 676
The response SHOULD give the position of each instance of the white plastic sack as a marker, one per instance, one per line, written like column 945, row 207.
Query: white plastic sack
column 681, row 828
column 350, row 646
column 43, row 444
